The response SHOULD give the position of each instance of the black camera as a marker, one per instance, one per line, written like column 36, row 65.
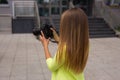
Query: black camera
column 45, row 29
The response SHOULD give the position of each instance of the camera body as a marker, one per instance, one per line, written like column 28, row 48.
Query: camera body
column 45, row 29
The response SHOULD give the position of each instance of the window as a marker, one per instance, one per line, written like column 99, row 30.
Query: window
column 64, row 2
column 40, row 1
column 55, row 10
column 3, row 2
column 43, row 1
column 44, row 11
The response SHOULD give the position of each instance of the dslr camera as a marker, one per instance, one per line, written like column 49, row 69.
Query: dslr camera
column 46, row 31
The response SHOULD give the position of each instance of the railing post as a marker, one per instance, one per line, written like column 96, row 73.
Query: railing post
column 37, row 14
column 13, row 10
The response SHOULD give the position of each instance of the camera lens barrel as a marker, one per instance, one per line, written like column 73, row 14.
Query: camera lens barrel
column 46, row 30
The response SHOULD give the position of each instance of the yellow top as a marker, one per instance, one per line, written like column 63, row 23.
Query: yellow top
column 59, row 72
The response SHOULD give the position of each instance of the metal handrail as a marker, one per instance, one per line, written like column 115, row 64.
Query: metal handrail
column 30, row 4
column 16, row 4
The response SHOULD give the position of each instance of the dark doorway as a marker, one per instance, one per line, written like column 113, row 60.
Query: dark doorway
column 22, row 25
column 86, row 5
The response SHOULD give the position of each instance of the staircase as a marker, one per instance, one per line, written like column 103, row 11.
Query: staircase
column 98, row 28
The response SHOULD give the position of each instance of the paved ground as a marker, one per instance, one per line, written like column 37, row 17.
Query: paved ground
column 22, row 58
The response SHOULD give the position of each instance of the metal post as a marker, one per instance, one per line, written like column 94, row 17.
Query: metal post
column 13, row 9
column 37, row 14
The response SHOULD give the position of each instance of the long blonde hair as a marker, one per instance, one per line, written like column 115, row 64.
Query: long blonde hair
column 74, row 34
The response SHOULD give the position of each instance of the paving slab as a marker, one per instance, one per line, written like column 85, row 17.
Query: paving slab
column 22, row 58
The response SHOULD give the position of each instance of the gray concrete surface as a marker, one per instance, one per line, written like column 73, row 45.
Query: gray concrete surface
column 22, row 58
column 5, row 24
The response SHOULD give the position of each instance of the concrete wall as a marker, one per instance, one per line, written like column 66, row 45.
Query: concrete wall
column 5, row 24
column 8, row 8
column 5, row 8
column 5, row 18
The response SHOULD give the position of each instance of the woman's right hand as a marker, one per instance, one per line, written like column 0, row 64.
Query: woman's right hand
column 43, row 40
column 55, row 35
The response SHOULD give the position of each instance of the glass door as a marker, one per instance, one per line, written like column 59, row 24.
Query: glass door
column 44, row 8
column 58, row 7
column 52, row 8
column 55, row 8
column 86, row 5
column 44, row 11
column 64, row 5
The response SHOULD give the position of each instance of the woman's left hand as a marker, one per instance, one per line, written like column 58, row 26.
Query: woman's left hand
column 43, row 40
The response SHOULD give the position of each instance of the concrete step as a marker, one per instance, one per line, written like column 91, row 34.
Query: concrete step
column 102, row 36
column 101, row 32
column 97, row 27
column 5, row 30
column 100, row 29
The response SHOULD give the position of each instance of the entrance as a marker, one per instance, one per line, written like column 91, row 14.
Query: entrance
column 51, row 9
column 86, row 5
column 54, row 8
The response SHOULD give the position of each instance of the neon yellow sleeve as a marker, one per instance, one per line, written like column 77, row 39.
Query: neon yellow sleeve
column 52, row 64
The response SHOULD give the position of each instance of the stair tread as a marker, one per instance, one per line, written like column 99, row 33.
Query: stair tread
column 97, row 27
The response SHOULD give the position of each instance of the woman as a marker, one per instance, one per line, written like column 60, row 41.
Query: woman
column 73, row 47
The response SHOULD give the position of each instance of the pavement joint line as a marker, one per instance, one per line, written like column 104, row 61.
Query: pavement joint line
column 13, row 59
column 40, row 60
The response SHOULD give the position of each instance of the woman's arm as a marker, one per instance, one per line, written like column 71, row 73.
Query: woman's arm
column 56, row 37
column 47, row 53
column 45, row 43
column 51, row 62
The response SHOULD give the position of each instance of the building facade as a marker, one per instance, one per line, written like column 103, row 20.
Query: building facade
column 47, row 10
